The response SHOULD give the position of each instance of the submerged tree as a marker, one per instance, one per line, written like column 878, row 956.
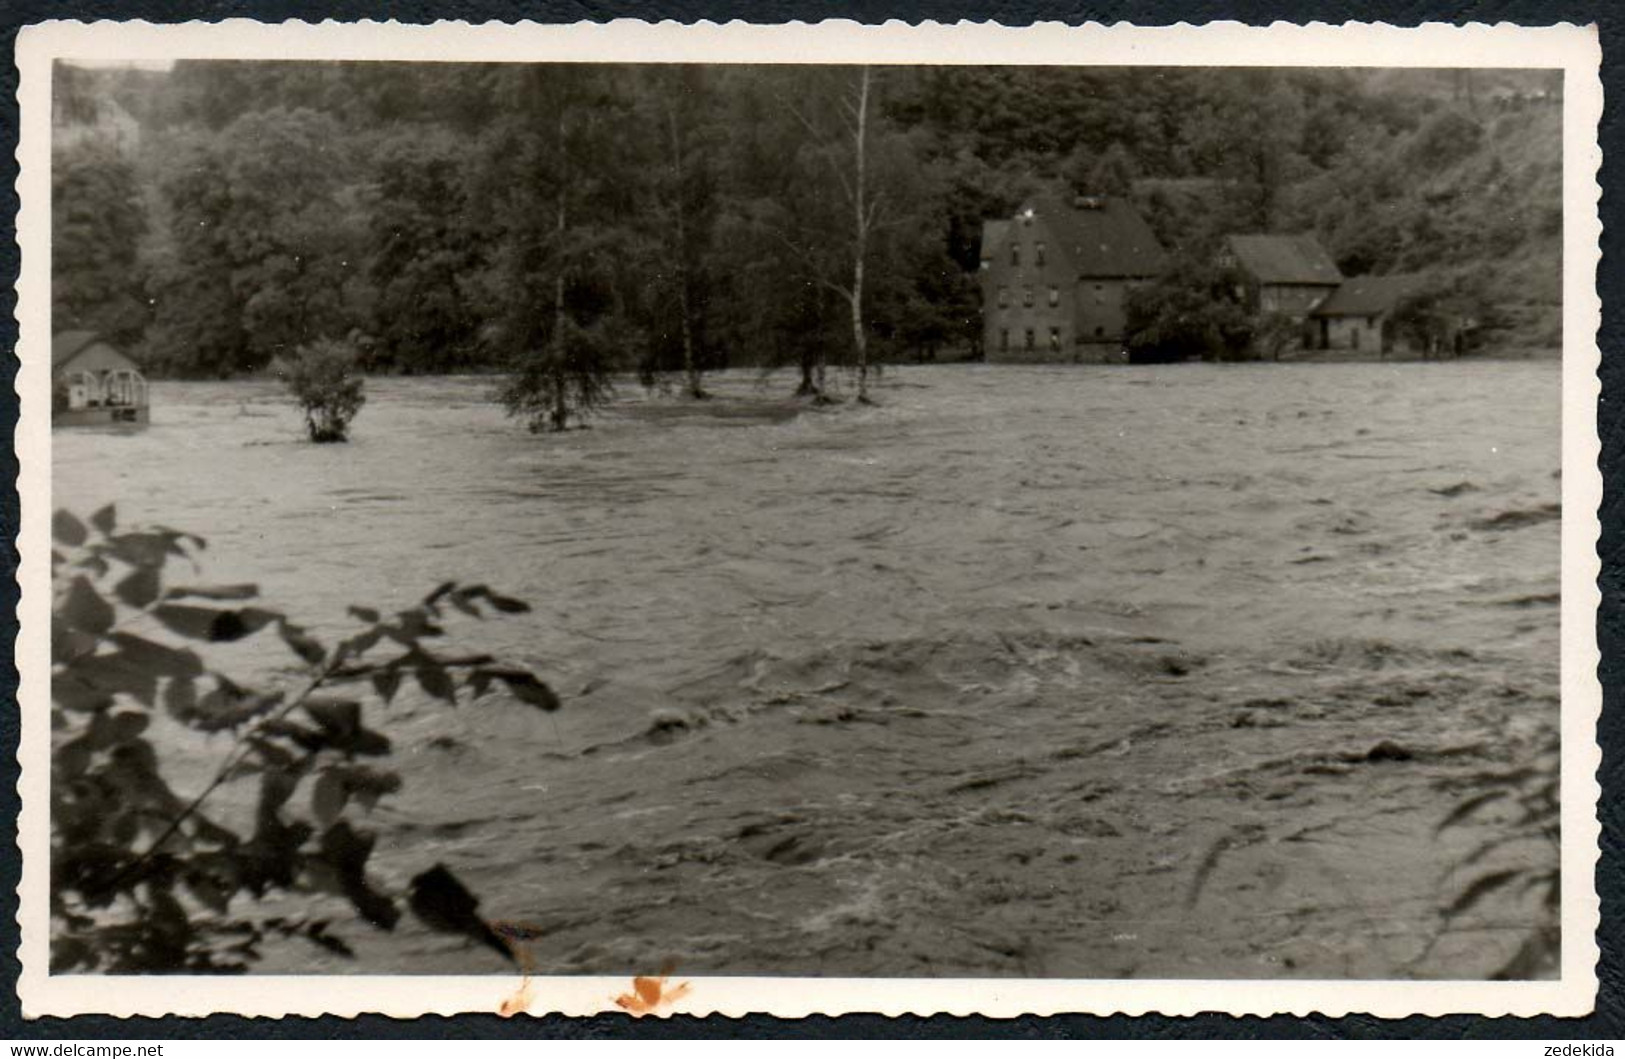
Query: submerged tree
column 559, row 209
column 838, row 220
column 324, row 379
column 674, row 100
column 1189, row 313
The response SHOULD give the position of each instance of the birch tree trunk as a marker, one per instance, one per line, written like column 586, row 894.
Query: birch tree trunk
column 690, row 372
column 561, row 376
column 862, row 219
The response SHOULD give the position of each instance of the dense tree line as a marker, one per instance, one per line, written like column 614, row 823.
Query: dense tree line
column 560, row 221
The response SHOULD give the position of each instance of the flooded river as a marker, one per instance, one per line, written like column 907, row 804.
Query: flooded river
column 1024, row 671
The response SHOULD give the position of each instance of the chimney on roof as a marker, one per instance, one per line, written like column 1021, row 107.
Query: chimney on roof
column 1089, row 202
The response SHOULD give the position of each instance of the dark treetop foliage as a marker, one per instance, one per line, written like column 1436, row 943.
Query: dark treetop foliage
column 148, row 879
column 708, row 212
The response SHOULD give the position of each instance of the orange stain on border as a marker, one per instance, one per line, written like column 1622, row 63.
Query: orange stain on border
column 650, row 993
column 515, row 935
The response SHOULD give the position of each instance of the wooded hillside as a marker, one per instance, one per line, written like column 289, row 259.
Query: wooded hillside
column 449, row 217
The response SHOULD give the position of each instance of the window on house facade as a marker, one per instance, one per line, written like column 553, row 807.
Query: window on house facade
column 1100, row 294
column 1027, row 297
column 1054, row 296
column 1004, row 340
column 1015, row 255
column 1038, row 254
column 1030, row 343
column 1004, row 297
column 1055, row 339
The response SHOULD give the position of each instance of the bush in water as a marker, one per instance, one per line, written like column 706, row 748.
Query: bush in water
column 324, row 378
column 143, row 879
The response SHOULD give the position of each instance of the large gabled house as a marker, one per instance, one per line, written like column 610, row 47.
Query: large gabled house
column 1055, row 275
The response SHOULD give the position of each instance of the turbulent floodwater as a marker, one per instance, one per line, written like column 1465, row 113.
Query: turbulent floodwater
column 1025, row 671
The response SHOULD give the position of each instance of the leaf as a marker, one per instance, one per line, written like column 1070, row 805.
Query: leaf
column 215, row 592
column 111, row 729
column 505, row 604
column 366, row 785
column 1481, row 887
column 415, row 624
column 317, row 933
column 275, row 790
column 180, row 699
column 341, row 729
column 144, row 549
column 327, row 797
column 138, row 589
column 302, row 644
column 346, row 850
column 386, row 682
column 211, row 624
column 104, row 519
column 436, row 682
column 274, row 756
column 68, row 529
column 508, row 605
column 84, row 609
column 527, row 688
column 441, row 902
column 68, row 645
column 166, row 915
column 360, row 643
column 111, row 674
column 228, row 706
column 366, row 614
column 460, row 601
column 440, row 590
column 340, row 717
column 157, row 658
column 72, row 691
column 72, row 758
column 209, row 893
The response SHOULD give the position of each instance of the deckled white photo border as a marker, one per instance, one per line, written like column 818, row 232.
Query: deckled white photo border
column 1574, row 49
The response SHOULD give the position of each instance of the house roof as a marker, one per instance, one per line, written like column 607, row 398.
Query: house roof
column 1109, row 239
column 1368, row 295
column 1284, row 259
column 993, row 233
column 66, row 345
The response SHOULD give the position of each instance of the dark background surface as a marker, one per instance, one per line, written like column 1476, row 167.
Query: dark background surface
column 1607, row 1022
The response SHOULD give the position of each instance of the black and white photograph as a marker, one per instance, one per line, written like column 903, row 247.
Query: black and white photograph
column 668, row 520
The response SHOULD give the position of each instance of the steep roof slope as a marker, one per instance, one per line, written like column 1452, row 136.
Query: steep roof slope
column 1107, row 240
column 1284, row 258
column 69, row 344
column 1368, row 295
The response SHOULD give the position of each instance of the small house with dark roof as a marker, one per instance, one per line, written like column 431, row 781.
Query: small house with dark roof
column 94, row 384
column 1358, row 316
column 1285, row 274
column 1054, row 277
